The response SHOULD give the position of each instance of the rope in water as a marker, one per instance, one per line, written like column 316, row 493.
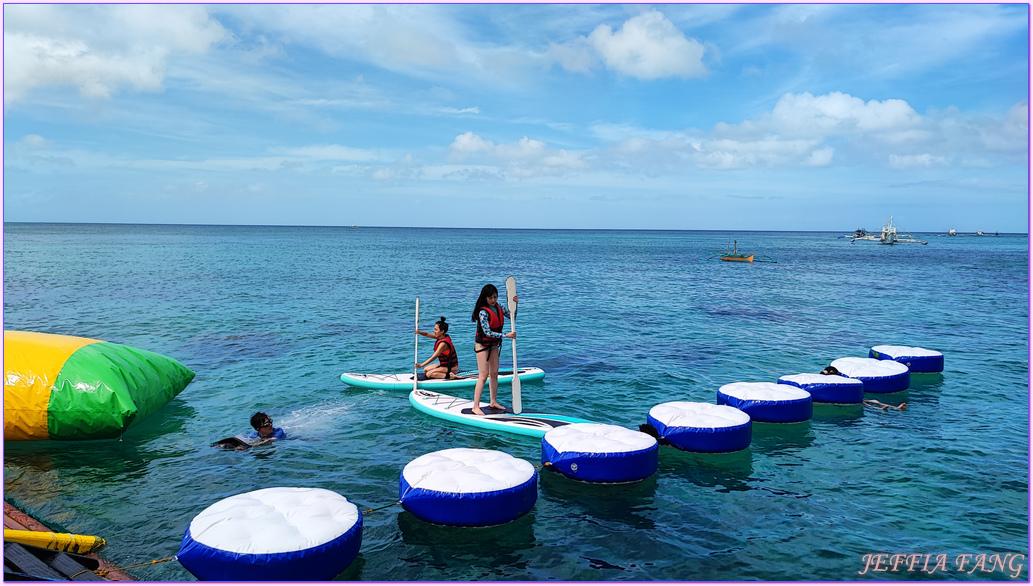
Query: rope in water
column 103, row 573
column 367, row 511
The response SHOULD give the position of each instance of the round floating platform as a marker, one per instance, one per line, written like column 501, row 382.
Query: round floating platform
column 878, row 376
column 273, row 534
column 468, row 487
column 598, row 452
column 768, row 402
column 702, row 427
column 827, row 388
column 915, row 359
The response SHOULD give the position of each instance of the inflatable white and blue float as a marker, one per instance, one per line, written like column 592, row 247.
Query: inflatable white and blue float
column 915, row 359
column 599, row 452
column 702, row 427
column 830, row 388
column 274, row 534
column 768, row 402
column 878, row 376
column 468, row 487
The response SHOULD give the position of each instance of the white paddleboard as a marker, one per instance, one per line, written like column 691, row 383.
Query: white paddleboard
column 403, row 381
column 459, row 410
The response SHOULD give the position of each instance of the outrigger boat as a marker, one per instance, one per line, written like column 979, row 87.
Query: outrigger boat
column 889, row 235
column 735, row 255
column 732, row 254
column 859, row 233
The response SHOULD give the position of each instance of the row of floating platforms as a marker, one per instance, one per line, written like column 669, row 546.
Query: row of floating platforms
column 313, row 534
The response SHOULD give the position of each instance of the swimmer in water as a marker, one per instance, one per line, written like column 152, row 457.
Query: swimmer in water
column 833, row 371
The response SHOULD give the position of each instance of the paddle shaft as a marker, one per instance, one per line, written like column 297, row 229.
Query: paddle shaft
column 416, row 349
column 512, row 303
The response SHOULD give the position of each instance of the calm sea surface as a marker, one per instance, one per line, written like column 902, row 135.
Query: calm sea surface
column 269, row 317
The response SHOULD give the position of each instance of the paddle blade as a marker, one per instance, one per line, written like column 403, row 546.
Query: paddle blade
column 517, row 407
column 510, row 293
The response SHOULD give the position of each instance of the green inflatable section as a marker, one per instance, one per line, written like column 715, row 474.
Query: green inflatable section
column 104, row 388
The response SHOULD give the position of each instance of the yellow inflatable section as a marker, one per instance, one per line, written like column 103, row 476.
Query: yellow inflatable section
column 27, row 389
column 57, row 541
column 67, row 387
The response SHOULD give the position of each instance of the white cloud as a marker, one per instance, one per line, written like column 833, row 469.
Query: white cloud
column 522, row 150
column 34, row 141
column 468, row 143
column 821, row 157
column 648, row 47
column 471, row 110
column 801, row 130
column 405, row 168
column 331, row 152
column 839, row 113
column 99, row 48
column 524, row 158
column 922, row 161
column 1009, row 134
column 409, row 38
column 767, row 152
column 348, row 170
column 808, row 130
column 577, row 56
column 31, row 61
column 382, row 174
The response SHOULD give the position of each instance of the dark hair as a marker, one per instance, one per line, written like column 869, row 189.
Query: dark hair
column 441, row 324
column 258, row 419
column 830, row 370
column 482, row 301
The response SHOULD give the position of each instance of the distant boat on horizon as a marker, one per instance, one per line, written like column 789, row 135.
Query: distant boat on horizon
column 732, row 254
column 888, row 235
column 859, row 233
column 953, row 232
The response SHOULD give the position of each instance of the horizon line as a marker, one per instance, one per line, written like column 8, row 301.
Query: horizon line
column 353, row 226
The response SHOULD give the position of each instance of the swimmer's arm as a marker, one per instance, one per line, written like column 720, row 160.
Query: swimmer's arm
column 485, row 328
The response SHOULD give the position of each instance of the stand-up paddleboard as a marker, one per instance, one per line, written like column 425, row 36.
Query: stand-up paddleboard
column 402, row 382
column 458, row 410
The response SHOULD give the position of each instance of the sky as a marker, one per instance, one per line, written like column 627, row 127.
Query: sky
column 668, row 116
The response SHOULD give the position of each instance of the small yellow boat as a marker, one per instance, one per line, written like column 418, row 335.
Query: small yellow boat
column 732, row 254
column 736, row 256
column 67, row 542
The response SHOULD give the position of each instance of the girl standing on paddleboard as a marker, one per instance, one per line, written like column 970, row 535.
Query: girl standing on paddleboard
column 444, row 350
column 489, row 316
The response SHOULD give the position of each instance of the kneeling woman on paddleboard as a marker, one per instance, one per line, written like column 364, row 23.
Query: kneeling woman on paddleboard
column 444, row 351
column 489, row 316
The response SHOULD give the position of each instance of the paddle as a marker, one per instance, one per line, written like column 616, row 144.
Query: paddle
column 512, row 304
column 416, row 351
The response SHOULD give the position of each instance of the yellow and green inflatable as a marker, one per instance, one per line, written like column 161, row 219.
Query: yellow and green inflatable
column 69, row 388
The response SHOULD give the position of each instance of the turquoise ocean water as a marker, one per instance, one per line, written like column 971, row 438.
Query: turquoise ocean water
column 269, row 317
